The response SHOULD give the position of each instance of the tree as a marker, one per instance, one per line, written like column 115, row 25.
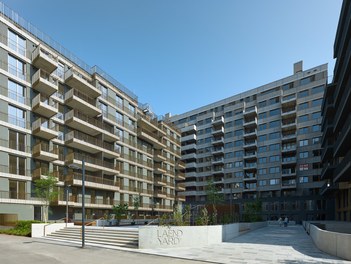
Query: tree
column 136, row 204
column 213, row 198
column 119, row 210
column 46, row 190
column 252, row 211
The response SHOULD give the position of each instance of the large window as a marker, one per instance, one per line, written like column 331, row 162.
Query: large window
column 16, row 92
column 16, row 67
column 17, row 116
column 16, row 140
column 119, row 101
column 17, row 189
column 17, row 165
column 16, row 43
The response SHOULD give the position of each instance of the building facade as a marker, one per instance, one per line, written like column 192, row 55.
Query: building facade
column 336, row 124
column 57, row 111
column 263, row 143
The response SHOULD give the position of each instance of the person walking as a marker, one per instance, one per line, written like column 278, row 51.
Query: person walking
column 286, row 221
column 280, row 221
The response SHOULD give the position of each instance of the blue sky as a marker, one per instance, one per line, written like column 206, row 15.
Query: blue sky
column 180, row 55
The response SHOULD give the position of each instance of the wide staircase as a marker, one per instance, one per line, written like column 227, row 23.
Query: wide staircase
column 123, row 237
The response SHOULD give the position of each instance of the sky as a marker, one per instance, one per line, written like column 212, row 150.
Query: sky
column 184, row 54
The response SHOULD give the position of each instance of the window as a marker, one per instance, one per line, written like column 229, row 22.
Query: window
column 119, row 101
column 228, row 124
column 60, row 71
column 274, row 124
column 303, row 142
column 262, row 115
column 16, row 92
column 16, row 67
column 16, row 43
column 303, row 93
column 229, row 134
column 274, row 158
column 262, row 160
column 229, row 155
column 103, row 108
column 303, row 118
column 274, row 135
column 104, row 91
column 274, row 112
column 229, row 114
column 17, row 189
column 17, row 165
column 274, row 147
column 238, row 143
column 262, row 138
column 307, row 80
column 131, row 108
column 316, row 140
column 316, row 128
column 273, row 181
column 262, row 127
column 239, row 174
column 262, row 171
column 239, row 153
column 274, row 100
column 262, row 149
column 238, row 164
column 316, row 115
column 303, row 106
column 119, row 118
column 317, row 102
column 17, row 116
column 303, row 155
column 274, row 170
column 239, row 132
column 17, row 140
column 288, row 86
column 303, row 167
column 262, row 183
column 229, row 145
column 318, row 89
column 303, row 130
column 262, row 104
column 238, row 122
column 303, row 179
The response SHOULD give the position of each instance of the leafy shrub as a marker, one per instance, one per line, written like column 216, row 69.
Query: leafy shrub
column 22, row 228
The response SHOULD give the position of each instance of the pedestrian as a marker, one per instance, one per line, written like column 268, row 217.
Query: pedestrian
column 280, row 221
column 286, row 221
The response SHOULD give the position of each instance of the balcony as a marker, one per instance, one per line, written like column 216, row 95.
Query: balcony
column 190, row 156
column 188, row 147
column 79, row 140
column 190, row 165
column 76, row 80
column 249, row 111
column 150, row 123
column 160, row 194
column 42, row 58
column 42, row 151
column 159, row 156
column 288, row 184
column 82, row 102
column 159, row 169
column 250, row 155
column 218, row 171
column 92, row 163
column 252, row 178
column 289, row 125
column 288, row 136
column 250, row 133
column 150, row 137
column 250, row 144
column 218, row 121
column 82, row 122
column 218, row 141
column 42, row 172
column 187, row 129
column 159, row 181
column 180, row 187
column 44, row 83
column 180, row 165
column 288, row 112
column 250, row 122
column 289, row 172
column 288, row 148
column 45, row 129
column 250, row 166
column 191, row 137
column 44, row 106
column 289, row 100
column 342, row 143
column 343, row 169
column 288, row 160
column 327, row 171
column 91, row 181
column 218, row 161
column 180, row 176
column 218, row 131
column 218, row 151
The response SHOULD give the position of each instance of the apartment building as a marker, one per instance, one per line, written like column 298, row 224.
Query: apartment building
column 56, row 111
column 336, row 124
column 263, row 143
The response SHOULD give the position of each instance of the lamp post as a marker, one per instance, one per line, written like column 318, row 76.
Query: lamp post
column 67, row 189
column 73, row 166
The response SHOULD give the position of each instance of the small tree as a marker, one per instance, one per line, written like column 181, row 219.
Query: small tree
column 213, row 198
column 46, row 190
column 252, row 211
column 136, row 204
column 119, row 210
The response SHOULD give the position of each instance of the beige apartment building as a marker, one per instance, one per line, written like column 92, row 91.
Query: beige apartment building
column 56, row 111
column 262, row 144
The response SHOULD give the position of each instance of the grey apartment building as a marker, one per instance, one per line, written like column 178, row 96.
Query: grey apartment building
column 56, row 112
column 261, row 144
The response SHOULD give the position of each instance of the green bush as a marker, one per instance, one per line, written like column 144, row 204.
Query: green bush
column 22, row 228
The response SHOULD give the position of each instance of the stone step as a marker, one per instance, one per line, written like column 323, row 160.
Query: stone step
column 104, row 234
column 97, row 237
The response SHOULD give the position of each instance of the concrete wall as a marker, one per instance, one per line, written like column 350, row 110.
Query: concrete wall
column 40, row 230
column 179, row 236
column 334, row 243
column 23, row 211
column 194, row 236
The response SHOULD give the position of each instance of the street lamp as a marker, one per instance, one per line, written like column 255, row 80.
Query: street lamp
column 67, row 189
column 74, row 166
